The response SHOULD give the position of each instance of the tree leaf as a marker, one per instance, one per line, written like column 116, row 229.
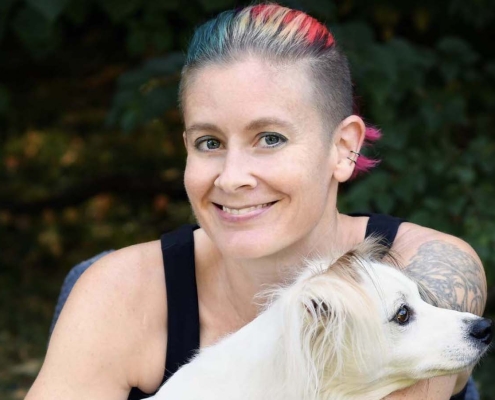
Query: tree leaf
column 4, row 100
column 325, row 9
column 5, row 7
column 146, row 93
column 78, row 11
column 158, row 101
column 136, row 40
column 170, row 64
column 35, row 31
column 50, row 9
column 215, row 5
column 456, row 55
column 130, row 120
column 118, row 10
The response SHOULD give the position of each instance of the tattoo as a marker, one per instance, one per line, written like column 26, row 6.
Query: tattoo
column 453, row 276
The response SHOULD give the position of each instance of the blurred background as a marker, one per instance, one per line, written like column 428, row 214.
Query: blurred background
column 91, row 153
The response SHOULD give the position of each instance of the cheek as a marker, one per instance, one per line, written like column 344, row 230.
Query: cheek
column 314, row 176
column 293, row 176
column 197, row 178
column 305, row 165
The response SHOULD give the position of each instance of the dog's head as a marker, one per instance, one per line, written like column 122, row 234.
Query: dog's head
column 364, row 326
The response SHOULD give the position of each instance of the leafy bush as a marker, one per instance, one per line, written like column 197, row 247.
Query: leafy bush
column 91, row 150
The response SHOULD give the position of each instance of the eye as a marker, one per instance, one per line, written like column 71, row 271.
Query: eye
column 272, row 140
column 403, row 314
column 207, row 144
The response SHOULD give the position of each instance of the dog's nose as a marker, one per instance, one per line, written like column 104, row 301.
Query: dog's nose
column 482, row 330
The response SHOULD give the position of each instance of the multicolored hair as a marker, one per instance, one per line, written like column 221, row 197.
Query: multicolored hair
column 280, row 35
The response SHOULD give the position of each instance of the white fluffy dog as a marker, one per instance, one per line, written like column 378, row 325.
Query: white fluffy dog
column 358, row 329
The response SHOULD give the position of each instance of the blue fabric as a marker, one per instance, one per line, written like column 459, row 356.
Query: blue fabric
column 471, row 390
column 70, row 281
column 74, row 274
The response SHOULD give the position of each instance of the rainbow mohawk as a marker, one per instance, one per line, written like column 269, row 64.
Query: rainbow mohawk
column 270, row 29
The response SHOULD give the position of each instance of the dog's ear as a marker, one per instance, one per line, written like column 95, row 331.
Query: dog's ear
column 318, row 309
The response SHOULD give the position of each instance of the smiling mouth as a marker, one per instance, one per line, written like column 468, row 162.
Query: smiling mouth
column 242, row 211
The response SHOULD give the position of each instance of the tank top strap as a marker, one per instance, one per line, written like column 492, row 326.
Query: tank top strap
column 182, row 301
column 383, row 226
column 182, row 297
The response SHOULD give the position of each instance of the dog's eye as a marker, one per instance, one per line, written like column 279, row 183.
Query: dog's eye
column 403, row 314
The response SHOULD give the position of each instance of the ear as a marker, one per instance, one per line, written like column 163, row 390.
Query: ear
column 318, row 309
column 348, row 138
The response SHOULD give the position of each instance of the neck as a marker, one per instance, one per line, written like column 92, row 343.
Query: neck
column 241, row 280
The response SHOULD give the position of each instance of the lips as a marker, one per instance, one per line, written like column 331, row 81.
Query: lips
column 243, row 210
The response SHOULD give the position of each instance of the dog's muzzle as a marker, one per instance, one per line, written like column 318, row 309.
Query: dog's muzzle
column 482, row 330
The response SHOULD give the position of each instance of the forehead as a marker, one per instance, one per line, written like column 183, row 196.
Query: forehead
column 389, row 281
column 247, row 90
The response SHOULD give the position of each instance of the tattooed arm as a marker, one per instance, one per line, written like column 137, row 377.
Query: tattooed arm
column 454, row 276
column 451, row 270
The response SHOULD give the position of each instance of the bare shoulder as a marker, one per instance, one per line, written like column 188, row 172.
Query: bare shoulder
column 445, row 264
column 111, row 333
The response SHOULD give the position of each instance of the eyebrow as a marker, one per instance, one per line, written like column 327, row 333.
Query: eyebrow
column 401, row 299
column 201, row 127
column 262, row 122
column 253, row 125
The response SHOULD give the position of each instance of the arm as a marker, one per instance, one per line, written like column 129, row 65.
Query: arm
column 69, row 282
column 453, row 273
column 110, row 335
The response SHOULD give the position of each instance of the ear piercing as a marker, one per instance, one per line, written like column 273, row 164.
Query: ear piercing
column 355, row 155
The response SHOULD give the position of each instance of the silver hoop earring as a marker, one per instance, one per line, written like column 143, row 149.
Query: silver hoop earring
column 356, row 156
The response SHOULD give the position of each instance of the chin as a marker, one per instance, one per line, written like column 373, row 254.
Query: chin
column 247, row 245
column 253, row 243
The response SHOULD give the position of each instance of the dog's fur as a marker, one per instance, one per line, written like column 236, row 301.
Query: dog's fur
column 333, row 334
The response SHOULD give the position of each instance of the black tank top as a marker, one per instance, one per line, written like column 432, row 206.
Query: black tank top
column 182, row 293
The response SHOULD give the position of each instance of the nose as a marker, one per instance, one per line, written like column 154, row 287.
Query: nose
column 482, row 330
column 236, row 172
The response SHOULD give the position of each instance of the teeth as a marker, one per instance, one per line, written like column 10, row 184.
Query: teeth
column 241, row 211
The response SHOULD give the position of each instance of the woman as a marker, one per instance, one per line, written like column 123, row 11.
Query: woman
column 269, row 130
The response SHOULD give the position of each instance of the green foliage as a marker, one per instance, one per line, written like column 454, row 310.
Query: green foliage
column 146, row 93
column 35, row 32
column 478, row 13
column 437, row 159
column 4, row 100
column 118, row 10
column 91, row 151
column 50, row 9
column 325, row 9
column 216, row 5
column 5, row 7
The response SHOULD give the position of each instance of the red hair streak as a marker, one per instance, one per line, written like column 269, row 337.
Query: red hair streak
column 266, row 9
column 316, row 30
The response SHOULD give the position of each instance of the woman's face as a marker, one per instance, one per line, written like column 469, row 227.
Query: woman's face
column 259, row 165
